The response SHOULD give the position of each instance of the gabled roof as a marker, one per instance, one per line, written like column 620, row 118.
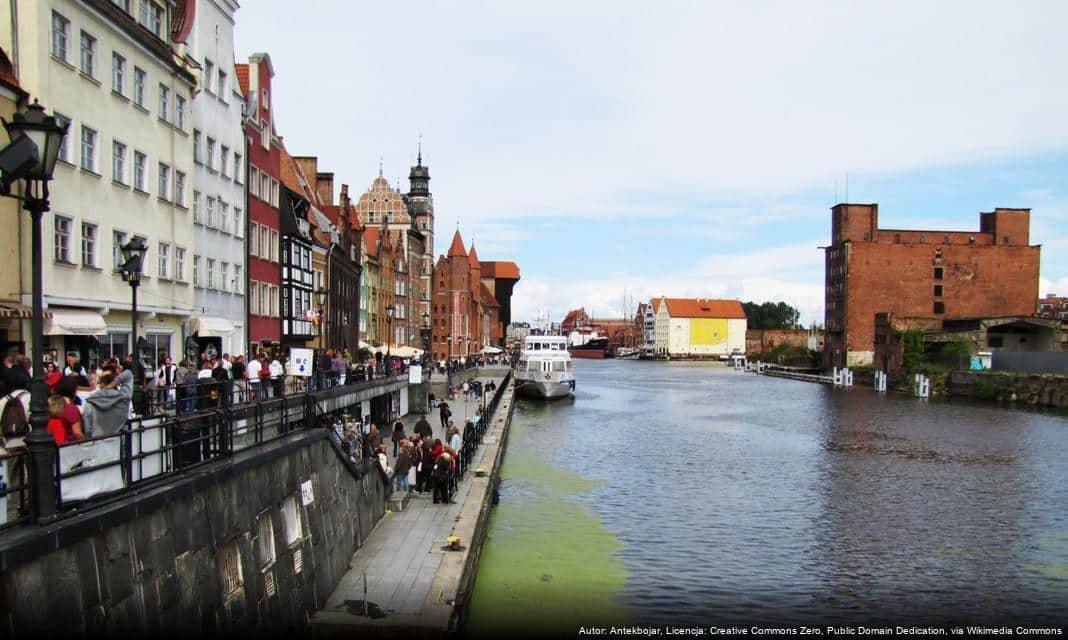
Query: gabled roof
column 456, row 249
column 502, row 270
column 7, row 74
column 242, row 77
column 704, row 308
column 472, row 259
column 370, row 240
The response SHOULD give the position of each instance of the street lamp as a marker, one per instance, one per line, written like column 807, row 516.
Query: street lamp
column 389, row 322
column 320, row 300
column 133, row 254
column 31, row 156
column 426, row 335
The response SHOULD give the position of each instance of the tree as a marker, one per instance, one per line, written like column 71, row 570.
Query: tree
column 770, row 315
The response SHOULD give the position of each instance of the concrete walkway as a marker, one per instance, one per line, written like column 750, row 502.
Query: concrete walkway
column 403, row 554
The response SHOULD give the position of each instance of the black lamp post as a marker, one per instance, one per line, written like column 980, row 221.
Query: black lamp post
column 426, row 336
column 31, row 156
column 389, row 323
column 320, row 299
column 133, row 254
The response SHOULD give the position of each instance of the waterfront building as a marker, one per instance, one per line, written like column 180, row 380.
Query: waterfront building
column 764, row 340
column 464, row 313
column 12, row 311
column 1053, row 307
column 500, row 277
column 264, row 219
column 921, row 273
column 420, row 203
column 698, row 327
column 218, row 197
column 116, row 73
column 298, row 277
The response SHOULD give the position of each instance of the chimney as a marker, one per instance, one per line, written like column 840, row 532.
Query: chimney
column 324, row 186
column 344, row 222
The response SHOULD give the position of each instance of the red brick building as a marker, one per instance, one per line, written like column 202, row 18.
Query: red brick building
column 1053, row 307
column 916, row 273
column 464, row 315
column 264, row 220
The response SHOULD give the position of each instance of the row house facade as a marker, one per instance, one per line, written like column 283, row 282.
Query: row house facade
column 464, row 313
column 218, row 200
column 115, row 72
column 263, row 195
column 12, row 312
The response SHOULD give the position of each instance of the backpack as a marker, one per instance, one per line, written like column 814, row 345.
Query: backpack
column 441, row 472
column 13, row 419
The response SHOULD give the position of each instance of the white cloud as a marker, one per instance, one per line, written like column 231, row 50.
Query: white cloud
column 1057, row 287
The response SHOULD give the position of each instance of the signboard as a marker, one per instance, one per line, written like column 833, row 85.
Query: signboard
column 306, row 495
column 301, row 361
column 415, row 374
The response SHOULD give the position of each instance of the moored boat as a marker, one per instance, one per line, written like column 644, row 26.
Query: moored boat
column 544, row 368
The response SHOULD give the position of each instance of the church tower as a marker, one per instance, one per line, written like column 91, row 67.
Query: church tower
column 421, row 211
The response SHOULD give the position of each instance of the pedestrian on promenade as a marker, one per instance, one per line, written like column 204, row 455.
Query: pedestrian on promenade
column 442, row 470
column 398, row 435
column 415, row 450
column 383, row 466
column 455, row 441
column 401, row 467
column 426, row 465
column 107, row 409
column 374, row 437
column 445, row 413
column 423, row 428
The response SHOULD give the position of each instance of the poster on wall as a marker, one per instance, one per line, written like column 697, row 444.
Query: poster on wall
column 415, row 374
column 300, row 362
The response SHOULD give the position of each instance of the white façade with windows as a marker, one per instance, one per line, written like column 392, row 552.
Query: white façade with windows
column 217, row 193
column 125, row 168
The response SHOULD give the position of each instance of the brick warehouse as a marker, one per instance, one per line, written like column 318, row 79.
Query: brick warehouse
column 921, row 273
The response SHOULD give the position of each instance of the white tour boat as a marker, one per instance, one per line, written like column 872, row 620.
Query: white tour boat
column 544, row 369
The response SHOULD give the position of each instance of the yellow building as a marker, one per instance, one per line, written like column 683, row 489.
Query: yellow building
column 698, row 327
column 12, row 339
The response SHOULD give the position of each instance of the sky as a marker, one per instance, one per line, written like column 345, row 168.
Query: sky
column 621, row 150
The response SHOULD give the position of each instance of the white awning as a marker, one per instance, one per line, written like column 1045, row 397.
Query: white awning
column 75, row 322
column 211, row 327
column 489, row 349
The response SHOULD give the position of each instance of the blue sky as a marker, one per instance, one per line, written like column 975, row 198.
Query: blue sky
column 681, row 148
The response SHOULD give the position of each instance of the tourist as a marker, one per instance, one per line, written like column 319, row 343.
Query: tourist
column 165, row 380
column 426, row 465
column 374, row 438
column 185, row 379
column 252, row 371
column 442, row 471
column 69, row 415
column 401, row 466
column 277, row 373
column 240, row 380
column 398, row 434
column 107, row 409
column 455, row 442
column 383, row 464
column 423, row 428
column 52, row 376
column 415, row 450
column 445, row 413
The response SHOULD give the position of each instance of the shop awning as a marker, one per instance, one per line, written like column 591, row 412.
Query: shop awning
column 75, row 322
column 11, row 309
column 211, row 327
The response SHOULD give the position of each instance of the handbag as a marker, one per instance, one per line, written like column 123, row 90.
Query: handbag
column 411, row 476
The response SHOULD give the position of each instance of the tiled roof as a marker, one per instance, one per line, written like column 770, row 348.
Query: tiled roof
column 503, row 270
column 242, row 77
column 704, row 308
column 488, row 297
column 7, row 72
column 289, row 173
column 472, row 259
column 456, row 249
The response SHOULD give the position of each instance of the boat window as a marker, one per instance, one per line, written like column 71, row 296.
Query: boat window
column 533, row 365
column 558, row 365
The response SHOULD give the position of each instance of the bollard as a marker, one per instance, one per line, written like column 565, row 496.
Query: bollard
column 922, row 386
column 880, row 382
column 837, row 377
column 848, row 377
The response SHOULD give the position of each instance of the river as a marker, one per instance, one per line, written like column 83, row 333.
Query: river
column 688, row 493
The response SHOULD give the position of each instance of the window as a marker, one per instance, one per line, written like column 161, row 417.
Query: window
column 164, row 102
column 122, row 4
column 274, row 246
column 211, row 212
column 265, row 243
column 179, row 112
column 254, row 297
column 291, row 518
column 196, row 206
column 151, row 16
column 210, row 160
column 164, row 181
column 224, row 215
column 923, row 238
column 164, row 259
column 265, row 187
column 371, row 217
column 224, row 272
column 938, row 254
column 209, row 74
column 179, row 188
column 237, row 168
column 211, row 273
column 971, row 239
column 253, row 239
column 196, row 146
column 265, row 539
column 179, row 264
column 196, row 270
column 266, row 99
column 88, row 55
column 238, row 228
column 225, row 160
column 63, row 227
column 118, row 73
column 222, row 84
column 118, row 238
column 939, row 307
column 938, row 291
column 140, row 166
column 118, row 161
column 140, row 78
column 938, row 271
column 254, row 181
column 996, row 342
column 64, row 147
column 60, row 35
column 238, row 282
column 265, row 134
column 88, row 244
column 274, row 193
column 88, row 149
column 945, row 239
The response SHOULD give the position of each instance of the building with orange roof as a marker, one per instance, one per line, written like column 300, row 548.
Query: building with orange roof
column 501, row 277
column 698, row 327
column 464, row 312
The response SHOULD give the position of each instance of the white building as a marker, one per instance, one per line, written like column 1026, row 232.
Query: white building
column 698, row 327
column 218, row 197
column 113, row 70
